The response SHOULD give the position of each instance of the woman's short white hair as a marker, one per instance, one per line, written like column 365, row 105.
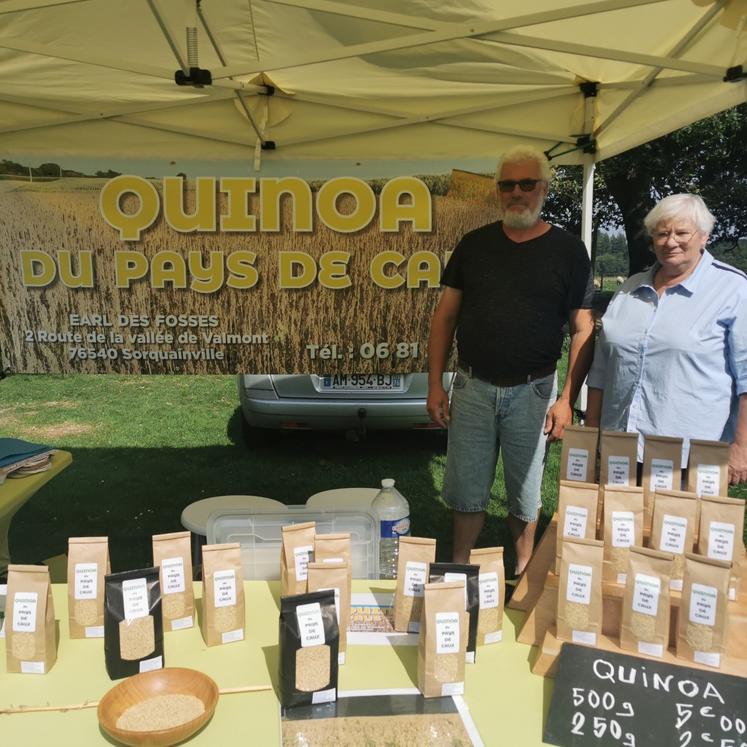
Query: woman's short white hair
column 677, row 207
column 521, row 153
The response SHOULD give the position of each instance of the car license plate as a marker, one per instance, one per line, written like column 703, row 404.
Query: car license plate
column 362, row 383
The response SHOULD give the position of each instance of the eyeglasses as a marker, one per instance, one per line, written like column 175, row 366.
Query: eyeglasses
column 525, row 185
column 680, row 236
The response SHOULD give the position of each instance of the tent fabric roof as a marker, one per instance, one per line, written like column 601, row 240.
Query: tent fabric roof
column 374, row 79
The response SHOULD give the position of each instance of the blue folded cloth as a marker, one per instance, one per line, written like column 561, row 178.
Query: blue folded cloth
column 14, row 450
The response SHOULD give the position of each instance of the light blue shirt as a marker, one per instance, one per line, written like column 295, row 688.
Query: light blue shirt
column 675, row 365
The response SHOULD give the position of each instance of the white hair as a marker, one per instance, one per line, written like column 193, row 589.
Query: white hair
column 680, row 206
column 521, row 153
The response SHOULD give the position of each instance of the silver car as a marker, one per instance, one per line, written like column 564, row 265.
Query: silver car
column 349, row 402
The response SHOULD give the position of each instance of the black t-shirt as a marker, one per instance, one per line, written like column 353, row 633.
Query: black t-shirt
column 516, row 297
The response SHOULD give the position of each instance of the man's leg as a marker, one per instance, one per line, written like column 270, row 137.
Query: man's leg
column 467, row 528
column 524, row 447
column 522, row 533
column 470, row 460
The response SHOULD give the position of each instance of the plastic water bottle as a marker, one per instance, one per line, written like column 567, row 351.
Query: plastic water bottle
column 393, row 513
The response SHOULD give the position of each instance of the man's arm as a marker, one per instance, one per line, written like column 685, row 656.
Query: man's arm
column 440, row 338
column 579, row 360
column 738, row 449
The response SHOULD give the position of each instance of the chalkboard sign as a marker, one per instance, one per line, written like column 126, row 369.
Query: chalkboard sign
column 603, row 698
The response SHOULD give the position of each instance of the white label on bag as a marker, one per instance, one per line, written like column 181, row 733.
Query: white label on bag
column 224, row 588
column 148, row 665
column 575, row 522
column 578, row 459
column 24, row 611
column 646, row 594
column 489, row 591
column 708, row 658
column 662, row 474
column 333, row 560
column 651, row 649
column 301, row 556
column 673, row 534
column 703, row 600
column 172, row 570
column 447, row 632
column 495, row 637
column 95, row 631
column 310, row 624
column 709, row 479
column 618, row 470
column 579, row 583
column 232, row 635
column 676, row 584
column 721, row 541
column 86, row 577
column 448, row 577
column 337, row 600
column 135, row 598
column 623, row 529
column 324, row 696
column 416, row 574
column 452, row 688
column 181, row 623
column 32, row 667
column 584, row 636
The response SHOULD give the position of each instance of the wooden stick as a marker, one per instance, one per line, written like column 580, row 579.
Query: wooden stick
column 94, row 703
column 36, row 709
column 248, row 689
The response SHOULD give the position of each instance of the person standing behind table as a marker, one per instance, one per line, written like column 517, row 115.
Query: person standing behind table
column 671, row 356
column 509, row 288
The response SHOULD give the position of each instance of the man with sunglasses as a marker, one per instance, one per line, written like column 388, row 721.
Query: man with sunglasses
column 508, row 290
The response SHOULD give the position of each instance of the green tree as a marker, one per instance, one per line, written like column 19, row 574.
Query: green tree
column 708, row 157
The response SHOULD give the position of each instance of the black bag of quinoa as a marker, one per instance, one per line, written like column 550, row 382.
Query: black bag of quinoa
column 133, row 626
column 470, row 574
column 309, row 640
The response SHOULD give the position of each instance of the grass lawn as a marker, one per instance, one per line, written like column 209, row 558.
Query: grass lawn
column 145, row 447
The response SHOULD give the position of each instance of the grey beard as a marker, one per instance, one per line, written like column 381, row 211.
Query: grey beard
column 525, row 219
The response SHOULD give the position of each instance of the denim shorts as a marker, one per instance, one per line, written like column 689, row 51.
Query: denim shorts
column 486, row 420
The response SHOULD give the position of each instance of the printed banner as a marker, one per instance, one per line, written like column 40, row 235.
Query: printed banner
column 226, row 275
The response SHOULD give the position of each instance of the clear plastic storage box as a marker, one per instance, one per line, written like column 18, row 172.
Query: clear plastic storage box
column 259, row 534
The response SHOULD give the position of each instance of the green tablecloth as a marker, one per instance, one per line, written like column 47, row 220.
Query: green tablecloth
column 507, row 702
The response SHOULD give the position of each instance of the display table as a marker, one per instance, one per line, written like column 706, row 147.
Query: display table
column 14, row 492
column 507, row 702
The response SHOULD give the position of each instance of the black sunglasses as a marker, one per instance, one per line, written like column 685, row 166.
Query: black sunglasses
column 525, row 185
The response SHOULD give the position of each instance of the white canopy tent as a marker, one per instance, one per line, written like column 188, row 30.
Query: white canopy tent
column 373, row 79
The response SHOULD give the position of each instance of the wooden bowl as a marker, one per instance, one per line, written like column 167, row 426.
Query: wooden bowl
column 140, row 687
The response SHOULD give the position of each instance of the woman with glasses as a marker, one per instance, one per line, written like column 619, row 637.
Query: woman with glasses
column 671, row 356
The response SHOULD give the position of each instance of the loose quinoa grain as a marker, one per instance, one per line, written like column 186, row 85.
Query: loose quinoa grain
column 699, row 637
column 226, row 619
column 86, row 611
column 161, row 712
column 643, row 626
column 23, row 646
column 447, row 667
column 173, row 605
column 577, row 615
column 432, row 729
column 312, row 668
column 137, row 638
